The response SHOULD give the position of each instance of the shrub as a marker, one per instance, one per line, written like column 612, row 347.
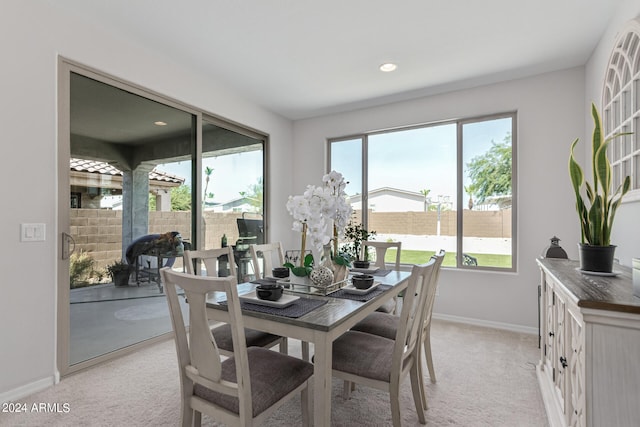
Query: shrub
column 80, row 268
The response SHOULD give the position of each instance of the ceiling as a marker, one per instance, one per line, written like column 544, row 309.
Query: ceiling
column 304, row 58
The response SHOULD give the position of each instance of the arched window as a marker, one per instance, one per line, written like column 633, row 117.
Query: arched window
column 621, row 106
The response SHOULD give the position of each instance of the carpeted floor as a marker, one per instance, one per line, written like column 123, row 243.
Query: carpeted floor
column 486, row 377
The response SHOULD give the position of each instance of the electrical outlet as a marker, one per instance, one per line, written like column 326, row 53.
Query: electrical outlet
column 32, row 232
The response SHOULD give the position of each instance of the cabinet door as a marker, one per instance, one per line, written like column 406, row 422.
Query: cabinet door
column 576, row 413
column 559, row 353
column 550, row 327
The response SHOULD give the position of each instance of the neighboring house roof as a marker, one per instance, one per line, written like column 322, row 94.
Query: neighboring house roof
column 92, row 166
column 386, row 191
column 241, row 202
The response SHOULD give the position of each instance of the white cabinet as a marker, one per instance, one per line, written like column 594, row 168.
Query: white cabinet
column 589, row 370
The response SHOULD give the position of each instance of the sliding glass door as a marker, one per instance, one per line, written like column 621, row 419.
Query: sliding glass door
column 141, row 179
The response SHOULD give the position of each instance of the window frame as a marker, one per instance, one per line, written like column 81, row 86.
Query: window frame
column 622, row 82
column 513, row 115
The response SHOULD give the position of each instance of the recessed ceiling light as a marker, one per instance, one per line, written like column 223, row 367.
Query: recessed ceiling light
column 159, row 123
column 388, row 67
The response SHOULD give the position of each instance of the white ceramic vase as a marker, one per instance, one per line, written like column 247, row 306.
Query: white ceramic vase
column 299, row 280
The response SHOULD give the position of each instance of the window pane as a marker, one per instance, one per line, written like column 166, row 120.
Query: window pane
column 232, row 193
column 412, row 188
column 346, row 158
column 487, row 180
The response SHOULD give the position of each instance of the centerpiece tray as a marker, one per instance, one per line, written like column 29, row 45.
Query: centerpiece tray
column 311, row 288
column 284, row 301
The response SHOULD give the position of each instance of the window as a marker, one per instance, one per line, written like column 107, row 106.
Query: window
column 621, row 108
column 447, row 185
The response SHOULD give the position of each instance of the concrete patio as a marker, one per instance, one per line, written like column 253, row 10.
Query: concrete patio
column 105, row 318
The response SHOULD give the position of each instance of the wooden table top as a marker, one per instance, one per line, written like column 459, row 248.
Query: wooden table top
column 596, row 292
column 327, row 316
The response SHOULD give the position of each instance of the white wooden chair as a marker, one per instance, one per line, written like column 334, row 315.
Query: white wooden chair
column 210, row 260
column 271, row 255
column 386, row 325
column 383, row 363
column 381, row 251
column 242, row 390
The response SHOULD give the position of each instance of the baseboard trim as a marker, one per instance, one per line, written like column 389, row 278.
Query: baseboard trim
column 27, row 389
column 487, row 323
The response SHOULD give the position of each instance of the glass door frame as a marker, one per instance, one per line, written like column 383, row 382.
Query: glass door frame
column 65, row 68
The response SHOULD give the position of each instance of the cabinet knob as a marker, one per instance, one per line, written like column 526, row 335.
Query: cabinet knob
column 551, row 334
column 563, row 361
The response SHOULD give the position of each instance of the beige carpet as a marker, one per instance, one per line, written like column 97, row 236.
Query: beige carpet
column 486, row 377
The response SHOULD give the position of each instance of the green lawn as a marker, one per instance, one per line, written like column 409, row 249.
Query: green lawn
column 409, row 256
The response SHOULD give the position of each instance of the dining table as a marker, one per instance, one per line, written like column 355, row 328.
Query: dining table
column 329, row 317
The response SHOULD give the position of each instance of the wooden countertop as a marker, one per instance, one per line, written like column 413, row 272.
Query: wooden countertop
column 596, row 292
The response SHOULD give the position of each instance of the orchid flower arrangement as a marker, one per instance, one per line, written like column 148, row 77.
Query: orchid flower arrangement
column 314, row 211
column 341, row 210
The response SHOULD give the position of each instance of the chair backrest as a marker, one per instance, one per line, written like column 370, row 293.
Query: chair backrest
column 270, row 254
column 199, row 359
column 431, row 296
column 212, row 259
column 411, row 317
column 381, row 251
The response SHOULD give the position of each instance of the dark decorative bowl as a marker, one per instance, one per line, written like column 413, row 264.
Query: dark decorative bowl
column 269, row 292
column 361, row 264
column 362, row 281
column 280, row 272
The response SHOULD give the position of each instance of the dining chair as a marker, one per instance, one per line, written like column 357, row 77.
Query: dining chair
column 271, row 255
column 242, row 390
column 211, row 260
column 383, row 363
column 381, row 251
column 386, row 325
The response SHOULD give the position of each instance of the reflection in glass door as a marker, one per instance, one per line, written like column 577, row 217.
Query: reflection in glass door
column 232, row 191
column 128, row 212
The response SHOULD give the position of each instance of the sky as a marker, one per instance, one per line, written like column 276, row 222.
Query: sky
column 416, row 159
column 245, row 168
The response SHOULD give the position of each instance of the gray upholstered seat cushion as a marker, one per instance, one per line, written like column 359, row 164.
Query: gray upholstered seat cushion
column 364, row 355
column 222, row 335
column 388, row 307
column 273, row 375
column 381, row 324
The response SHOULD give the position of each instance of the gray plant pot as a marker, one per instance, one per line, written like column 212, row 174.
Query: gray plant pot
column 598, row 259
column 121, row 278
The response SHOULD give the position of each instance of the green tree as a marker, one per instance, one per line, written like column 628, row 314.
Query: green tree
column 181, row 198
column 490, row 173
column 254, row 195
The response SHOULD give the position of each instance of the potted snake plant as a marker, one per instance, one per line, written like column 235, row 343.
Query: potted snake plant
column 596, row 204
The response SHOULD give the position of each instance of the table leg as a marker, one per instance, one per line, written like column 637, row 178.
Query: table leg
column 322, row 379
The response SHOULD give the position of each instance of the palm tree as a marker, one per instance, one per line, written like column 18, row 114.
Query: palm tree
column 207, row 171
column 425, row 193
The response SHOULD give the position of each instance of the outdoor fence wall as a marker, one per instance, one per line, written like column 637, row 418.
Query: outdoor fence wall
column 99, row 231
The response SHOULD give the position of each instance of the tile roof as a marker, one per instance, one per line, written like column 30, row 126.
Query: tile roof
column 103, row 168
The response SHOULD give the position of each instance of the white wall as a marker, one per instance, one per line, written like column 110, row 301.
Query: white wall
column 32, row 35
column 626, row 229
column 552, row 112
column 550, row 116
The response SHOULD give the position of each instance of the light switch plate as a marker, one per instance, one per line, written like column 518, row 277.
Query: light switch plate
column 34, row 232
